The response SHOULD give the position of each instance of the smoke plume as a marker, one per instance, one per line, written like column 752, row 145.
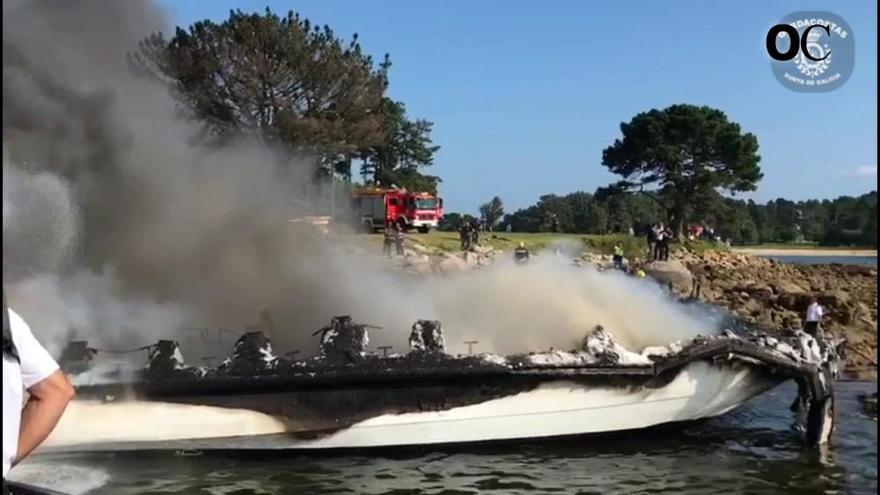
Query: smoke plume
column 120, row 228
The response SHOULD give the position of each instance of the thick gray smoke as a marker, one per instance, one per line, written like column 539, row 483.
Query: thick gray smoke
column 119, row 228
column 40, row 214
column 110, row 209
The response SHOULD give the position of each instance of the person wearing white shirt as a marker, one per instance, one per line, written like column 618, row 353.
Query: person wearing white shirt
column 813, row 317
column 28, row 366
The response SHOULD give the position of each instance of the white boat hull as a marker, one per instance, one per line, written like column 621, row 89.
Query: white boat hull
column 555, row 408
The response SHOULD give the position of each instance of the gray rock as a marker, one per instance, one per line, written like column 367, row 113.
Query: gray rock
column 452, row 264
column 670, row 272
column 788, row 287
column 835, row 299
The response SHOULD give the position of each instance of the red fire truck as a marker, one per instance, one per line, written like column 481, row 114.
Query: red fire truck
column 375, row 207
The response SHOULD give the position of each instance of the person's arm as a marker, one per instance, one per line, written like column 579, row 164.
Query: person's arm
column 47, row 401
column 48, row 389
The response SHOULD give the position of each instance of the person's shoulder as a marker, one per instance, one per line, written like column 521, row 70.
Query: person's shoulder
column 17, row 325
column 36, row 363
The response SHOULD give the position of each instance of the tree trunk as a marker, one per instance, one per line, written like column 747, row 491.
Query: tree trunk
column 676, row 219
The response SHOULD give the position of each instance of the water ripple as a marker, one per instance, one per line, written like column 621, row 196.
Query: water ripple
column 749, row 451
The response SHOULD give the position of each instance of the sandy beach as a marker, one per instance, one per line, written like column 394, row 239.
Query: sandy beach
column 805, row 252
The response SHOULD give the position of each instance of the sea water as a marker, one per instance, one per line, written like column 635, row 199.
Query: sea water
column 750, row 450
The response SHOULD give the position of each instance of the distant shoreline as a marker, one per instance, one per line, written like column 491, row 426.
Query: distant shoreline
column 805, row 252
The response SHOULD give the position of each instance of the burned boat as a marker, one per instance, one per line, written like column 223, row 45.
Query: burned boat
column 347, row 397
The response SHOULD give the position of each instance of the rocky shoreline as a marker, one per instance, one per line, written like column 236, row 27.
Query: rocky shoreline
column 775, row 295
column 764, row 292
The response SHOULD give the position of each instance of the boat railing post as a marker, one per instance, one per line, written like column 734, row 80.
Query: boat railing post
column 470, row 344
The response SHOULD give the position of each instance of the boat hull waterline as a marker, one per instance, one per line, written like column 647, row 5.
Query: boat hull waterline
column 348, row 398
column 555, row 408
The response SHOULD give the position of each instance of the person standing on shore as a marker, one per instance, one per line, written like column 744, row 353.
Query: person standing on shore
column 813, row 317
column 388, row 239
column 464, row 234
column 475, row 232
column 618, row 256
column 697, row 282
column 652, row 241
column 661, row 244
column 398, row 239
column 521, row 253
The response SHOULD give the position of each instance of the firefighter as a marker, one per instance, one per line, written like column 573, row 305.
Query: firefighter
column 618, row 256
column 388, row 240
column 521, row 253
column 475, row 233
column 554, row 223
column 399, row 236
column 464, row 233
column 637, row 272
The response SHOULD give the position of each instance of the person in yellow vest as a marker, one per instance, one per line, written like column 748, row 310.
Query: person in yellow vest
column 521, row 253
column 618, row 256
column 636, row 271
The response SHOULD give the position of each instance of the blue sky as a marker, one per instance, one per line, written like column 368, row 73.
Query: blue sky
column 525, row 95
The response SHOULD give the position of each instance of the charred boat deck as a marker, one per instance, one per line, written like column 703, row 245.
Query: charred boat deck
column 347, row 397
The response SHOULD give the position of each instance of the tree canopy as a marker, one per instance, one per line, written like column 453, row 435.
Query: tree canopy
column 492, row 212
column 404, row 149
column 582, row 212
column 844, row 221
column 681, row 156
column 453, row 221
column 285, row 80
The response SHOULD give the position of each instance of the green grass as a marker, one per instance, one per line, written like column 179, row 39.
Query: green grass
column 449, row 241
column 637, row 246
column 633, row 246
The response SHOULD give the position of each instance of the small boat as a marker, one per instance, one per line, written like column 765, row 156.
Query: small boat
column 346, row 397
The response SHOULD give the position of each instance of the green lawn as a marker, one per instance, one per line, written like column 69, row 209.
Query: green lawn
column 633, row 247
column 449, row 241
